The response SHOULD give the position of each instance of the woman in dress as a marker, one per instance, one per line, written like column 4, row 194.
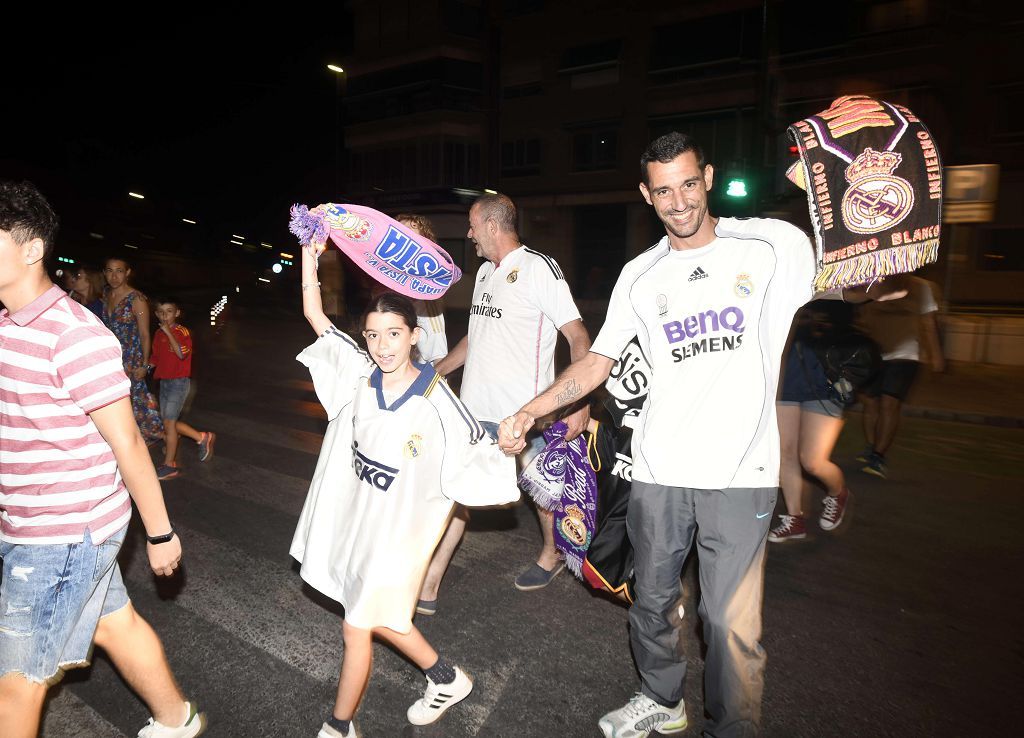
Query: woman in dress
column 126, row 314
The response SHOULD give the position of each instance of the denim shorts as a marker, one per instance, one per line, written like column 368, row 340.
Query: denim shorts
column 51, row 598
column 173, row 393
column 823, row 406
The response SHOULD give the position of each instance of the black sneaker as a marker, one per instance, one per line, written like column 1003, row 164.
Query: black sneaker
column 875, row 465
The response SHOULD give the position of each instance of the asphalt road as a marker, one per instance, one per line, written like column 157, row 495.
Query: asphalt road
column 906, row 621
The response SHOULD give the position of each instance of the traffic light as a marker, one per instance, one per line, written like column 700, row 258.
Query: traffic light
column 737, row 187
column 736, row 184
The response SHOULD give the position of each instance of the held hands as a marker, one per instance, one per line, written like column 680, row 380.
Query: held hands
column 140, row 372
column 512, row 432
column 164, row 557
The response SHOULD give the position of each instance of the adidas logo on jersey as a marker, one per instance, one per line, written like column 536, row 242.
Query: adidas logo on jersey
column 698, row 273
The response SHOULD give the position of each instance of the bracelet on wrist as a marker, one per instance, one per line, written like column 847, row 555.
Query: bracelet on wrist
column 155, row 540
column 309, row 285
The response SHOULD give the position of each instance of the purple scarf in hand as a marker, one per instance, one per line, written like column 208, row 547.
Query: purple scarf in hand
column 560, row 479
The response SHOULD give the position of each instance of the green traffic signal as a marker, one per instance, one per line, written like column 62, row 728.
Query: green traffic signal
column 736, row 188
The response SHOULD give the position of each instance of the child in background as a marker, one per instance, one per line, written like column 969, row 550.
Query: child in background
column 399, row 449
column 172, row 365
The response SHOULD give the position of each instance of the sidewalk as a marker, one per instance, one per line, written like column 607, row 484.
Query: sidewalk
column 967, row 392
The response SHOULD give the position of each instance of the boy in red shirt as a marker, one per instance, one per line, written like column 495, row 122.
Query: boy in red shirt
column 172, row 365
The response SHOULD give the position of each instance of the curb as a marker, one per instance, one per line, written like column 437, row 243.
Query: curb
column 1001, row 421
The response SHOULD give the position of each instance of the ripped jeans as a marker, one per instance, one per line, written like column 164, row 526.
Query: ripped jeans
column 51, row 598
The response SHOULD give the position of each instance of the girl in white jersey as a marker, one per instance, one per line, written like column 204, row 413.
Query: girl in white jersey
column 399, row 448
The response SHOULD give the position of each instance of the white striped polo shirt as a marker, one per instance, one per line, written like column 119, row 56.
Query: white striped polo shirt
column 58, row 476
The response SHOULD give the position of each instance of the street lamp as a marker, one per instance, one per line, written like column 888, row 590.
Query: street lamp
column 339, row 76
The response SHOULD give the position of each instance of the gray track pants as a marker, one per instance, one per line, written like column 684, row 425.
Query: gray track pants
column 731, row 527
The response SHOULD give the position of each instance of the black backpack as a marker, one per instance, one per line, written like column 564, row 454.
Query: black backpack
column 850, row 361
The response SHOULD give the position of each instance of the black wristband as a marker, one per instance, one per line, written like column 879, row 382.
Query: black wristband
column 162, row 538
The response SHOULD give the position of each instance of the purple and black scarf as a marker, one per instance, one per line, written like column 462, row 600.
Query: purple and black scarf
column 560, row 479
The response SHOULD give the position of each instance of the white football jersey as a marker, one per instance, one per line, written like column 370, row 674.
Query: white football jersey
column 385, row 482
column 518, row 307
column 712, row 322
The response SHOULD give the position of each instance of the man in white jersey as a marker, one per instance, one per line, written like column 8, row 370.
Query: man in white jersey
column 520, row 303
column 70, row 456
column 711, row 306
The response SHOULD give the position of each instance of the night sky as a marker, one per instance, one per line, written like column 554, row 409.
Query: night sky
column 222, row 121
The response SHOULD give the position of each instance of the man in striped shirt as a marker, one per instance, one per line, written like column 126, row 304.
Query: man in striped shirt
column 70, row 456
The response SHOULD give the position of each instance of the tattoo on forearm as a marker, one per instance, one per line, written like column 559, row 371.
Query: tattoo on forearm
column 572, row 391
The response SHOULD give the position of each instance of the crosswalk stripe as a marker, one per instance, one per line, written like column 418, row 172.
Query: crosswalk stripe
column 67, row 715
column 482, row 702
column 254, row 430
column 267, row 610
column 282, row 492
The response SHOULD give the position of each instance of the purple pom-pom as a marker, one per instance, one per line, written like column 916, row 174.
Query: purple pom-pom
column 308, row 227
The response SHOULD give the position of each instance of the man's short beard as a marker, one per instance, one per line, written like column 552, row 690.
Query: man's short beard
column 696, row 226
column 677, row 234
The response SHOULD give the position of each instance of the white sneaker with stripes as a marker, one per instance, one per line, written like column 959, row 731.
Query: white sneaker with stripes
column 438, row 698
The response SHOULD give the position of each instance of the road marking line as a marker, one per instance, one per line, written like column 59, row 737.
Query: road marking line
column 254, row 430
column 236, row 479
column 66, row 714
column 267, row 610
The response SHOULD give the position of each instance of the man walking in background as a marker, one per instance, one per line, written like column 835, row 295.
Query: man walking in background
column 898, row 327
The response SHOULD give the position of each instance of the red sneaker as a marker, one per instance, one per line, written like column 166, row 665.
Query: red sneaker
column 834, row 510
column 790, row 528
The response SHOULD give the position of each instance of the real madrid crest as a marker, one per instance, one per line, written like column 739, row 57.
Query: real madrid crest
column 574, row 527
column 412, row 446
column 512, row 276
column 744, row 285
column 876, row 199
